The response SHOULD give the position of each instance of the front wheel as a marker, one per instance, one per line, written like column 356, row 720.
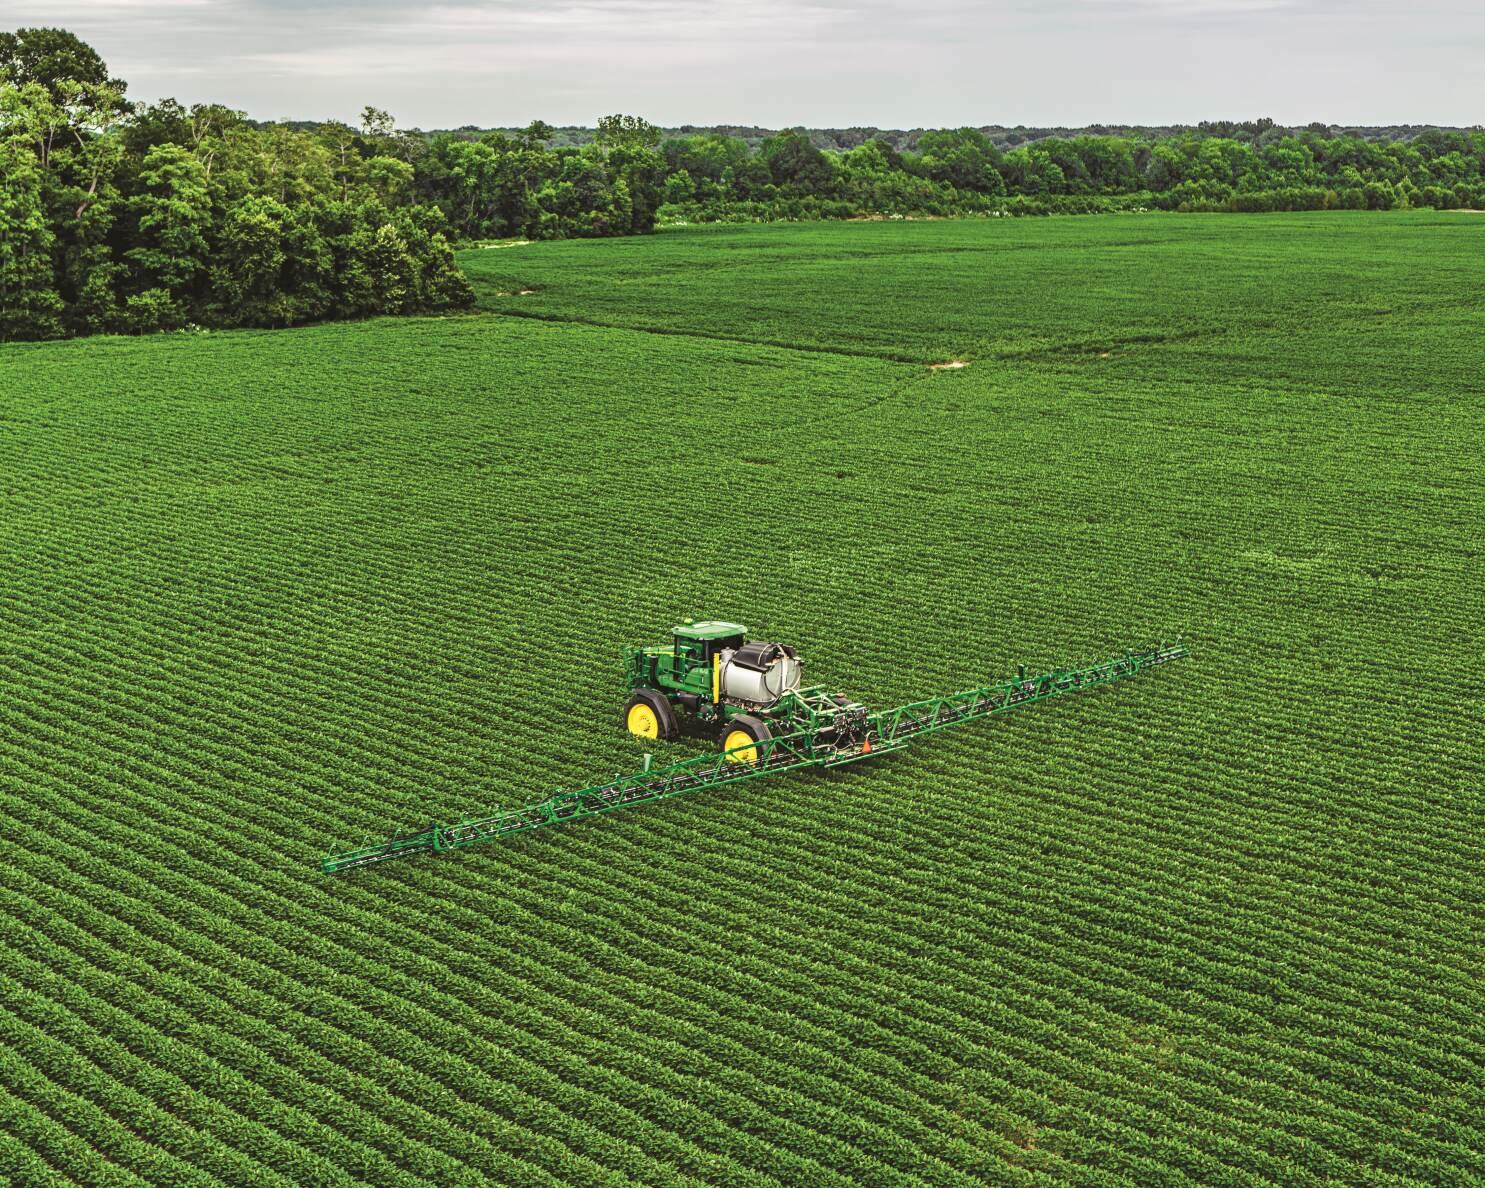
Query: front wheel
column 741, row 736
column 647, row 715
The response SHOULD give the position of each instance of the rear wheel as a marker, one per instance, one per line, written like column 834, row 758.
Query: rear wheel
column 740, row 737
column 648, row 715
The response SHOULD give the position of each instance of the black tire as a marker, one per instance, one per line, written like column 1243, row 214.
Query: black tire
column 755, row 728
column 665, row 723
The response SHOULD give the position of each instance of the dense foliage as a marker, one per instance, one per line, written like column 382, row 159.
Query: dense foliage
column 744, row 174
column 116, row 217
column 500, row 184
column 717, row 178
column 268, row 594
column 1006, row 137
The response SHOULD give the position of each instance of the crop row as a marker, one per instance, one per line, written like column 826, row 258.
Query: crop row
column 1218, row 925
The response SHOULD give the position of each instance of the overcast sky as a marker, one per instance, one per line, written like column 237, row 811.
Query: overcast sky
column 825, row 63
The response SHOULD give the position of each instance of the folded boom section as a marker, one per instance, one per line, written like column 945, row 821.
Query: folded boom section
column 880, row 734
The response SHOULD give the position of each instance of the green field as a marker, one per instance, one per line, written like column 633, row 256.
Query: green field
column 267, row 593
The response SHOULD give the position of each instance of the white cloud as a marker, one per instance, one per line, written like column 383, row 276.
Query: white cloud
column 827, row 62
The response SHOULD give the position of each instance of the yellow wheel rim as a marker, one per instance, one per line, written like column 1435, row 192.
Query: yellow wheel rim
column 740, row 738
column 642, row 722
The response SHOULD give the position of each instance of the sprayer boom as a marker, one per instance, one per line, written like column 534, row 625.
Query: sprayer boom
column 835, row 731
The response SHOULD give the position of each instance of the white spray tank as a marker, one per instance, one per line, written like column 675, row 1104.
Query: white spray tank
column 758, row 673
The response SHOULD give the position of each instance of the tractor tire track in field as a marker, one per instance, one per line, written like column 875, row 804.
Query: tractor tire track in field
column 711, row 336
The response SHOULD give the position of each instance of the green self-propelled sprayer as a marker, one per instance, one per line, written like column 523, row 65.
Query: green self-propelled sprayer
column 767, row 723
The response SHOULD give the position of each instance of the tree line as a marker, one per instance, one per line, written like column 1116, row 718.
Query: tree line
column 713, row 177
column 120, row 217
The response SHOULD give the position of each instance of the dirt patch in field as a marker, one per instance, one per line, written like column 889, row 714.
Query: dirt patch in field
column 507, row 244
column 951, row 365
column 514, row 292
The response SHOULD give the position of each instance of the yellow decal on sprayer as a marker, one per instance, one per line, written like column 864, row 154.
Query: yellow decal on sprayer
column 716, row 677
